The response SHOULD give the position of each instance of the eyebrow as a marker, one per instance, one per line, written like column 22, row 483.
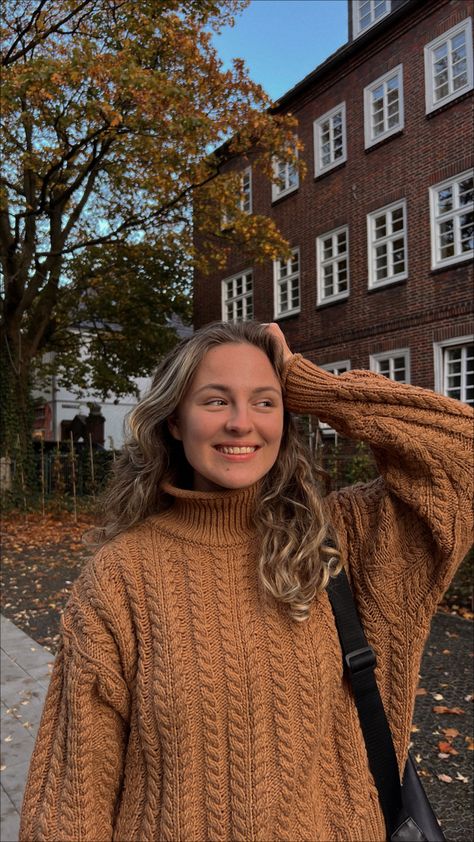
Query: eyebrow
column 222, row 388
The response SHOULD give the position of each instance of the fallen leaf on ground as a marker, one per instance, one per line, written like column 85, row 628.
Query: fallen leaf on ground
column 446, row 748
column 450, row 733
column 444, row 709
column 470, row 743
column 421, row 691
column 446, row 779
column 462, row 778
column 437, row 697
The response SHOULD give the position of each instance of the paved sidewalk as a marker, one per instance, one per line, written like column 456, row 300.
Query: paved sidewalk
column 25, row 671
column 446, row 674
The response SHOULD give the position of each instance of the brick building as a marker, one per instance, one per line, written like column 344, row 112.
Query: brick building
column 382, row 226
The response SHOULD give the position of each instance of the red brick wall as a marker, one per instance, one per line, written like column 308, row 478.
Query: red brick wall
column 429, row 305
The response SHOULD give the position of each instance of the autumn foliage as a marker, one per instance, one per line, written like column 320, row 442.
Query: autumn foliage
column 112, row 111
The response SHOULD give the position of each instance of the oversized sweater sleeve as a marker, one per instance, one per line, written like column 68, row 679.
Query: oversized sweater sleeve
column 77, row 764
column 413, row 525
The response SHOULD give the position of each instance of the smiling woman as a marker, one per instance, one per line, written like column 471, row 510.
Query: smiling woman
column 198, row 691
column 230, row 421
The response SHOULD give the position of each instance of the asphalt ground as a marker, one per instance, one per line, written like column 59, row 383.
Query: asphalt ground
column 37, row 574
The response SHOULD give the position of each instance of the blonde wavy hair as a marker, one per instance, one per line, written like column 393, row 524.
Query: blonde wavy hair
column 295, row 558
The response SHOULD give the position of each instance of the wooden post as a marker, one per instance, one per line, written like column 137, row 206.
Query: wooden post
column 22, row 478
column 73, row 469
column 42, row 478
column 91, row 456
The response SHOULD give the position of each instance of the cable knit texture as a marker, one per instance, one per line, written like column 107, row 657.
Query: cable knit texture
column 185, row 706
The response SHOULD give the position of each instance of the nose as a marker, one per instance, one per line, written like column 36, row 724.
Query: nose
column 239, row 420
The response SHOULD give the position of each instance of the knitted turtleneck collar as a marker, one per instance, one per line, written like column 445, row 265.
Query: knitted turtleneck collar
column 215, row 518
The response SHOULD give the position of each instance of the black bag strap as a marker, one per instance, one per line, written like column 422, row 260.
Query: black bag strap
column 360, row 661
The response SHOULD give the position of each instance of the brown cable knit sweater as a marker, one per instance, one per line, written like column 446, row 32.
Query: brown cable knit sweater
column 184, row 708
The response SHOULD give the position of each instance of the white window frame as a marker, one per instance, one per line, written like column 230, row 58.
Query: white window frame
column 370, row 138
column 333, row 368
column 234, row 298
column 436, row 219
column 321, row 262
column 277, row 191
column 431, row 105
column 439, row 349
column 279, row 282
column 319, row 167
column 247, row 172
column 227, row 218
column 356, row 4
column 376, row 359
column 372, row 244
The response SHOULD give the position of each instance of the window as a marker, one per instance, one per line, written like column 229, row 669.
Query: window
column 330, row 139
column 383, row 106
column 454, row 368
column 366, row 13
column 237, row 298
column 387, row 249
column 244, row 202
column 448, row 65
column 286, row 179
column 394, row 364
column 246, row 191
column 452, row 220
column 287, row 285
column 332, row 258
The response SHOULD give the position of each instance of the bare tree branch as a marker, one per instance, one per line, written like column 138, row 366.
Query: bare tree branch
column 11, row 56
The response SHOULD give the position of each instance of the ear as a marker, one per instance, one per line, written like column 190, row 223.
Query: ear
column 173, row 427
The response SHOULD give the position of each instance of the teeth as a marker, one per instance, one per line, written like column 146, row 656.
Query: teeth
column 236, row 450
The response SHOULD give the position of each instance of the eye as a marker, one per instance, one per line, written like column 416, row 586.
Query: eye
column 265, row 403
column 215, row 402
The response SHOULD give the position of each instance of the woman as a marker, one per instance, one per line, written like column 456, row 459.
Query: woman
column 198, row 691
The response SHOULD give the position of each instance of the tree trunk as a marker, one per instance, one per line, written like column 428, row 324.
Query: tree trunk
column 16, row 419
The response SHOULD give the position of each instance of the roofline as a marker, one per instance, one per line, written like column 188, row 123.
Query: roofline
column 343, row 53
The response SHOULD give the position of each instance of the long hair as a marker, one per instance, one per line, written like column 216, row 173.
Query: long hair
column 295, row 561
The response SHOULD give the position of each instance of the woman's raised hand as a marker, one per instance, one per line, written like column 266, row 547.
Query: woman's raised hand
column 278, row 334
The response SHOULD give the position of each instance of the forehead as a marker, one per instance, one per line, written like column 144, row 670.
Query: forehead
column 236, row 364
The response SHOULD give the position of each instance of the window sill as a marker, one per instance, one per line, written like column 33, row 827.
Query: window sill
column 283, row 316
column 457, row 263
column 332, row 301
column 330, row 170
column 385, row 139
column 388, row 285
column 443, row 106
column 282, row 196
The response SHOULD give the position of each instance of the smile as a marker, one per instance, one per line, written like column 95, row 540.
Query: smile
column 235, row 451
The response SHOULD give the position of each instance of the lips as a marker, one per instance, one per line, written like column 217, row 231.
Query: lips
column 234, row 450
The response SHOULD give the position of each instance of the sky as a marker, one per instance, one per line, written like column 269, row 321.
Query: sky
column 282, row 41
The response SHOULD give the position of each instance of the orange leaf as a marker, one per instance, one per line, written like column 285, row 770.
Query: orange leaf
column 444, row 709
column 450, row 733
column 446, row 747
column 421, row 691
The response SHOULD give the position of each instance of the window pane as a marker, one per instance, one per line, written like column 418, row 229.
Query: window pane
column 327, row 248
column 342, row 242
column 467, row 232
column 445, row 199
column 446, row 239
column 380, row 226
column 466, row 191
column 384, row 367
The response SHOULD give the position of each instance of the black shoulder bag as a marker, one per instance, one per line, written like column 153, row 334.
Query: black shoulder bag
column 407, row 811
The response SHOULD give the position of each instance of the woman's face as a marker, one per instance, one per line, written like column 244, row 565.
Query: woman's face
column 230, row 422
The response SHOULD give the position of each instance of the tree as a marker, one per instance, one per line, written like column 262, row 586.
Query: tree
column 111, row 110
